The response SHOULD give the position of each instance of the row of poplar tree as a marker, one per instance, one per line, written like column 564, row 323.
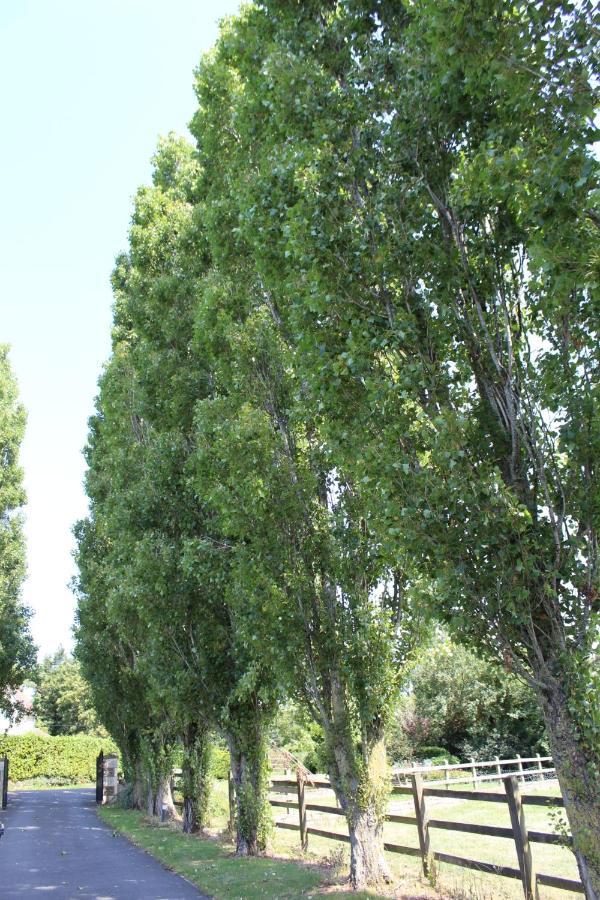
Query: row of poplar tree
column 354, row 384
column 17, row 651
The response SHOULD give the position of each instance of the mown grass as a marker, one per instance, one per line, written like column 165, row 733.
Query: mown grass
column 450, row 880
column 214, row 869
column 288, row 872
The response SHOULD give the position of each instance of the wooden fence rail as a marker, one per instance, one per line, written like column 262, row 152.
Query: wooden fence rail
column 402, row 775
column 420, row 790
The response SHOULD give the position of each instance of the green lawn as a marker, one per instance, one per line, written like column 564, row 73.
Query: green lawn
column 289, row 873
column 453, row 881
column 212, row 866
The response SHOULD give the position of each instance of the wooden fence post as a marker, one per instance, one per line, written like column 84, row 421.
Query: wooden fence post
column 474, row 771
column 520, row 769
column 517, row 818
column 422, row 823
column 446, row 775
column 4, row 782
column 231, row 793
column 539, row 762
column 498, row 767
column 302, row 811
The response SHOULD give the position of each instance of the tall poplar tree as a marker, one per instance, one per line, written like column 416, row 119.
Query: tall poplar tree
column 420, row 194
column 17, row 652
column 167, row 566
column 311, row 589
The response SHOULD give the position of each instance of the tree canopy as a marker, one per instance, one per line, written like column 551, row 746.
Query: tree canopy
column 17, row 652
column 354, row 383
column 63, row 702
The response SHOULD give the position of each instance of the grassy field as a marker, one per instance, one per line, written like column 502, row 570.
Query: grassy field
column 289, row 873
column 547, row 858
column 212, row 866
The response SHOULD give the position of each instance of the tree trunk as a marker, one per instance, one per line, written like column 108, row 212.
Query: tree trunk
column 368, row 866
column 577, row 770
column 150, row 796
column 360, row 781
column 249, row 772
column 164, row 798
column 195, row 778
column 158, row 795
column 137, row 786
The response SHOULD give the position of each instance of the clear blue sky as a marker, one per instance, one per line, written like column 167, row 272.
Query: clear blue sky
column 87, row 87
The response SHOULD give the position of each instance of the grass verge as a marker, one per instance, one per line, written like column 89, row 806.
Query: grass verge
column 288, row 872
column 215, row 870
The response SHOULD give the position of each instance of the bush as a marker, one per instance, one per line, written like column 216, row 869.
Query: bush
column 433, row 752
column 293, row 730
column 70, row 758
column 219, row 762
column 442, row 760
column 317, row 760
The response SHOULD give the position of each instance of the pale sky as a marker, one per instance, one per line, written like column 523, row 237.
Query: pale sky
column 87, row 87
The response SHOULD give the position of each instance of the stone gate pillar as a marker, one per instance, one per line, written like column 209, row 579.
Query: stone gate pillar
column 110, row 781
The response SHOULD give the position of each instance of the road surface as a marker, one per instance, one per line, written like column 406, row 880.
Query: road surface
column 55, row 845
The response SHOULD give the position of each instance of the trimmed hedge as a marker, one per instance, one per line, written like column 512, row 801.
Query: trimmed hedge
column 72, row 758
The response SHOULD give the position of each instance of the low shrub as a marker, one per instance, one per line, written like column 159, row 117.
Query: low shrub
column 442, row 760
column 219, row 762
column 433, row 752
column 70, row 759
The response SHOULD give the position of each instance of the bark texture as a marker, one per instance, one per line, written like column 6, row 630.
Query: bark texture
column 195, row 778
column 578, row 774
column 360, row 781
column 164, row 798
column 137, row 786
column 158, row 795
column 368, row 866
column 250, row 782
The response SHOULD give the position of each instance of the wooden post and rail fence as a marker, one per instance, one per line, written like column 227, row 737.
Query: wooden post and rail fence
column 414, row 783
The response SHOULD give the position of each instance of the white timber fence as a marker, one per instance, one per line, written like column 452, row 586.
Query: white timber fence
column 527, row 768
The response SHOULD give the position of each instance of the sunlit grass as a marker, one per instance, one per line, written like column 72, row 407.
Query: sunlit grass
column 212, row 866
column 288, row 872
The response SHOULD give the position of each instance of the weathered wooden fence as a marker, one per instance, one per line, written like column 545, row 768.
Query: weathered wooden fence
column 420, row 790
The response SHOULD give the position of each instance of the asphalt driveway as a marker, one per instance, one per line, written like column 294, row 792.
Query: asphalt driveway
column 55, row 845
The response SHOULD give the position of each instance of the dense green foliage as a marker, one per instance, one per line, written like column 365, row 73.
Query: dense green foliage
column 63, row 700
column 355, row 379
column 17, row 653
column 219, row 763
column 295, row 731
column 154, row 567
column 453, row 704
column 65, row 759
column 466, row 706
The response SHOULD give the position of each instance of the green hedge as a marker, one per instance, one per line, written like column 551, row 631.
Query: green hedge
column 70, row 758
